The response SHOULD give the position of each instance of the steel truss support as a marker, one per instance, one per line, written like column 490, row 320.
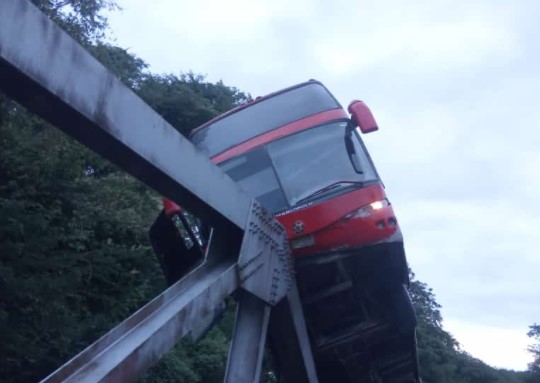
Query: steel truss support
column 248, row 340
column 138, row 342
column 289, row 340
column 46, row 71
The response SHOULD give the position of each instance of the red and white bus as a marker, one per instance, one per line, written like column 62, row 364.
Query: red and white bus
column 302, row 156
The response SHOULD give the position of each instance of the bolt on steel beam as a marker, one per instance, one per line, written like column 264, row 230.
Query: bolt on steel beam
column 265, row 263
column 45, row 70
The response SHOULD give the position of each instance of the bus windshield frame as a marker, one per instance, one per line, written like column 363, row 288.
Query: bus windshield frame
column 292, row 170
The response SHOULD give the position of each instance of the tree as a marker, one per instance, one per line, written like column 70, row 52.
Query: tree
column 441, row 359
column 187, row 101
column 534, row 333
column 128, row 68
column 534, row 366
column 436, row 348
column 82, row 19
column 75, row 257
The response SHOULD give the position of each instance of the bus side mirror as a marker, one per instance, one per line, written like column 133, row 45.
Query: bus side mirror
column 362, row 117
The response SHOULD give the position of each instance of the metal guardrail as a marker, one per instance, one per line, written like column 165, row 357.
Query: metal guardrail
column 45, row 70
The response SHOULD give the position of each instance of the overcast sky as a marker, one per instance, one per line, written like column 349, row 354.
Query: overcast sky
column 455, row 88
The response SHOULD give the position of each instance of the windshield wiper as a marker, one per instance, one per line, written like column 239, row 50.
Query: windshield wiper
column 328, row 188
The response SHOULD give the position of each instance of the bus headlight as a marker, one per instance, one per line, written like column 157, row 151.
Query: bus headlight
column 366, row 211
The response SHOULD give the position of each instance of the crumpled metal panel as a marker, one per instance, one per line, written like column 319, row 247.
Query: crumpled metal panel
column 265, row 264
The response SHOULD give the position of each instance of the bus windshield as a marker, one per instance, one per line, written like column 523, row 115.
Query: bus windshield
column 296, row 168
column 263, row 116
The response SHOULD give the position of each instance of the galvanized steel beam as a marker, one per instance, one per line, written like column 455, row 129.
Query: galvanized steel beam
column 49, row 73
column 249, row 337
column 265, row 263
column 289, row 340
column 137, row 343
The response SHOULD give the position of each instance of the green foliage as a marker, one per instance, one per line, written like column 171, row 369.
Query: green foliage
column 534, row 333
column 534, row 366
column 187, row 101
column 82, row 19
column 75, row 257
column 127, row 67
column 441, row 360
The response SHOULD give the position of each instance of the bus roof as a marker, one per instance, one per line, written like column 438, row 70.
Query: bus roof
column 256, row 101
